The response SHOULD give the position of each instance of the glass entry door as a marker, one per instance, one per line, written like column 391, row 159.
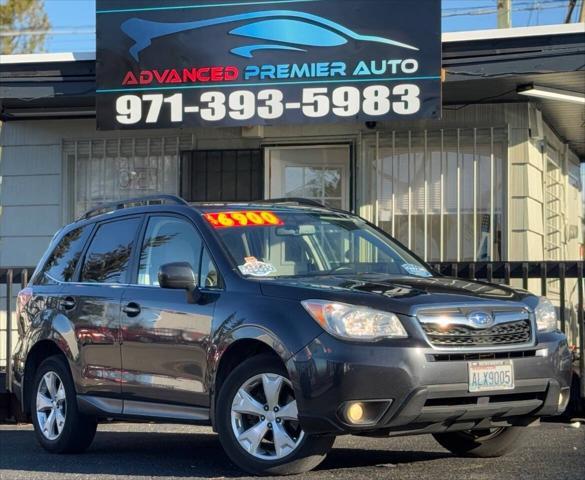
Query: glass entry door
column 318, row 173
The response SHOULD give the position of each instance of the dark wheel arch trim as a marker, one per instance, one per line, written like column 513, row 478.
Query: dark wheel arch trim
column 41, row 350
column 267, row 342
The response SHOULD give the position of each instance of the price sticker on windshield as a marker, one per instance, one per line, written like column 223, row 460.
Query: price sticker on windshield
column 244, row 218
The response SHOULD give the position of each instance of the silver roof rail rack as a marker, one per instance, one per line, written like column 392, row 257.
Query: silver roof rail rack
column 295, row 200
column 133, row 202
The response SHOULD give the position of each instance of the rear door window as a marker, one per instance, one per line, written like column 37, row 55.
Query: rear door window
column 108, row 256
column 61, row 264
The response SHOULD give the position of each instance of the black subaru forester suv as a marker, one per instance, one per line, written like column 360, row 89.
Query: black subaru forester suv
column 281, row 325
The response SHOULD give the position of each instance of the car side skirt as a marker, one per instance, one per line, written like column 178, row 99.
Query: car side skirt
column 135, row 410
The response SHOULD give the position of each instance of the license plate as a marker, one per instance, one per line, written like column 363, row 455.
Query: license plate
column 487, row 376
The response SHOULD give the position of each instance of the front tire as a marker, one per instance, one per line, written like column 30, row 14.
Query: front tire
column 257, row 421
column 482, row 443
column 59, row 427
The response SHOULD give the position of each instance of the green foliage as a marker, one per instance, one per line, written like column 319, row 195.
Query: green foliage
column 17, row 19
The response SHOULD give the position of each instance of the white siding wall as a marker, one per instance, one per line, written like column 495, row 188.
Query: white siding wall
column 30, row 190
column 31, row 203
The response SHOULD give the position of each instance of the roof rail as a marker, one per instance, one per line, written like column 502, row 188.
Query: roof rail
column 133, row 202
column 297, row 200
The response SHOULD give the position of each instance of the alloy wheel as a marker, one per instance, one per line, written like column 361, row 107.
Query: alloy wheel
column 51, row 405
column 264, row 417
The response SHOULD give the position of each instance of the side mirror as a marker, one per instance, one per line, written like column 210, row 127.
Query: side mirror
column 178, row 276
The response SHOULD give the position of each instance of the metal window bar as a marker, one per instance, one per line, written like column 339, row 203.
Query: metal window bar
column 203, row 183
column 442, row 192
column 553, row 216
column 97, row 165
column 442, row 197
column 426, row 166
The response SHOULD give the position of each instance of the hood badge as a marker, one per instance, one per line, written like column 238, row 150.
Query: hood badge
column 480, row 319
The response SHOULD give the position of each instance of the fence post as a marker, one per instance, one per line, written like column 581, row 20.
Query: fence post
column 9, row 329
column 23, row 278
column 507, row 273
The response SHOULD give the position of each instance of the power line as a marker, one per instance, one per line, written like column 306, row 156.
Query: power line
column 517, row 3
column 556, row 4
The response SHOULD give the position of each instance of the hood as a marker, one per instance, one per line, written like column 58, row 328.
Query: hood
column 398, row 294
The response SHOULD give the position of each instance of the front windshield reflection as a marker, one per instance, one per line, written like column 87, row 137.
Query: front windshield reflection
column 314, row 244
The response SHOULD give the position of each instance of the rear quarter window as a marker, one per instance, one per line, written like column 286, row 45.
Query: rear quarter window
column 61, row 264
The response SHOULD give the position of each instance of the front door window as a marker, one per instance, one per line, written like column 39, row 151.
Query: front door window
column 167, row 240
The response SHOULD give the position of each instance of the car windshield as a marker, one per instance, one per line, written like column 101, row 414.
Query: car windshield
column 298, row 243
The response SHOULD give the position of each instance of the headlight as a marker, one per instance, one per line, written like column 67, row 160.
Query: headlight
column 354, row 322
column 546, row 315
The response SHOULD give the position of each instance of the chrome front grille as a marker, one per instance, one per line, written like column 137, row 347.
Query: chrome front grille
column 463, row 336
column 454, row 327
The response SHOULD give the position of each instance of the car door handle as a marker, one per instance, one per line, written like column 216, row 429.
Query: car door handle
column 67, row 303
column 131, row 309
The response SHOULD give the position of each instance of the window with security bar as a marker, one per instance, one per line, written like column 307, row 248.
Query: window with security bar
column 554, row 194
column 553, row 205
column 108, row 170
column 222, row 175
column 440, row 192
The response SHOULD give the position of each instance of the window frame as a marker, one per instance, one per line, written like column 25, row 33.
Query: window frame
column 96, row 227
column 135, row 260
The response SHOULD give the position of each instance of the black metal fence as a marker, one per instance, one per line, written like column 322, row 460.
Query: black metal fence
column 498, row 272
column 13, row 279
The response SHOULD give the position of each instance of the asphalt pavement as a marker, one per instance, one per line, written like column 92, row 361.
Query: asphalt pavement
column 149, row 451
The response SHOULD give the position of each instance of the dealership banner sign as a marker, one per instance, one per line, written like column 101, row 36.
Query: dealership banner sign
column 187, row 63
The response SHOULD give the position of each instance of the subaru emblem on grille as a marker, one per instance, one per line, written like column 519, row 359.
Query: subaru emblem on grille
column 480, row 319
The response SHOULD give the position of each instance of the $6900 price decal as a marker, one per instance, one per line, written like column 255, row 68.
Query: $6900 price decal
column 270, row 104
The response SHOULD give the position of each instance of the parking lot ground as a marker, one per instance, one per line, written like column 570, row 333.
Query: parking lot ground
column 149, row 451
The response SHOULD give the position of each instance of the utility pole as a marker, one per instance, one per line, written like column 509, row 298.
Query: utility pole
column 572, row 4
column 582, row 14
column 504, row 13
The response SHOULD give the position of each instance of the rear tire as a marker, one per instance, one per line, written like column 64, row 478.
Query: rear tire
column 298, row 453
column 59, row 427
column 482, row 443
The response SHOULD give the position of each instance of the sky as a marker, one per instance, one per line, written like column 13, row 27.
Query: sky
column 75, row 19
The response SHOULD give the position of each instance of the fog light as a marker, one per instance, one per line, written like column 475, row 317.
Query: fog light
column 564, row 399
column 364, row 412
column 355, row 412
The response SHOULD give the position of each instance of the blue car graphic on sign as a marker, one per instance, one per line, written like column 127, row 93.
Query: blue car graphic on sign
column 277, row 29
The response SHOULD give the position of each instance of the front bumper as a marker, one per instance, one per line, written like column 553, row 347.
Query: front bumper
column 426, row 389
